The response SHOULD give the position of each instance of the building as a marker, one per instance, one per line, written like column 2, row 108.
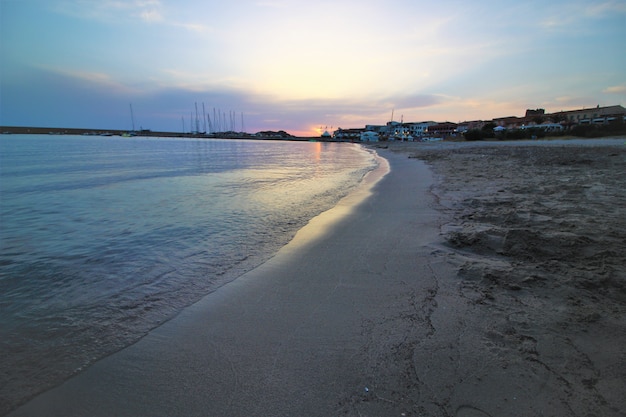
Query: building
column 537, row 113
column 348, row 134
column 594, row 115
column 442, row 130
column 376, row 128
column 471, row 125
column 533, row 118
column 545, row 126
column 510, row 122
column 369, row 136
column 395, row 130
column 418, row 130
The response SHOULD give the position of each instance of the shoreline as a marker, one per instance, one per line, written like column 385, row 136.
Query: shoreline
column 284, row 338
column 403, row 306
column 40, row 357
column 61, row 131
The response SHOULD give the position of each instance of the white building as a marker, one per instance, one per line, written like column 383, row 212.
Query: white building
column 369, row 136
column 417, row 130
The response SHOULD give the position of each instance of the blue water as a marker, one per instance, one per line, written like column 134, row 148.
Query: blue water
column 104, row 238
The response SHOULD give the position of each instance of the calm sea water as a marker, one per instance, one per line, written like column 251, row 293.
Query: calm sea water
column 105, row 238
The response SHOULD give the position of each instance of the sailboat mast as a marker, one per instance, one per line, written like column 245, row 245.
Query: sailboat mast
column 204, row 117
column 132, row 116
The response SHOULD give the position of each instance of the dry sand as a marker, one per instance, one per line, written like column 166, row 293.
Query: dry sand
column 495, row 287
column 538, row 231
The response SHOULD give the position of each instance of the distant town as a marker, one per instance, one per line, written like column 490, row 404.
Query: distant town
column 536, row 123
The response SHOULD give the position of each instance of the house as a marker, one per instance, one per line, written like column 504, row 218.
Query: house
column 533, row 118
column 376, row 128
column 348, row 134
column 594, row 115
column 368, row 136
column 545, row 126
column 510, row 122
column 533, row 114
column 394, row 130
column 442, row 130
column 471, row 125
column 417, row 130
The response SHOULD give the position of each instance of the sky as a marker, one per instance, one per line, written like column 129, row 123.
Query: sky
column 303, row 65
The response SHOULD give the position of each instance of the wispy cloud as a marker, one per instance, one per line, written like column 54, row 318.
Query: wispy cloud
column 572, row 14
column 108, row 10
column 92, row 79
column 616, row 89
column 198, row 28
column 147, row 11
column 601, row 9
column 200, row 81
column 151, row 16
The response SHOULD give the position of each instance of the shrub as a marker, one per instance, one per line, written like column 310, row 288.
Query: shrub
column 473, row 134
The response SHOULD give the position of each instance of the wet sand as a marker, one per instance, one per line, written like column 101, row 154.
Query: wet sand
column 474, row 281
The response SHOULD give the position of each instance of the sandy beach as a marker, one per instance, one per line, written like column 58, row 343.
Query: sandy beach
column 472, row 280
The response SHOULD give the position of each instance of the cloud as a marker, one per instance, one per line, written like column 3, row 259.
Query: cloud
column 146, row 11
column 416, row 101
column 193, row 27
column 617, row 89
column 151, row 16
column 96, row 100
column 112, row 10
column 572, row 15
column 91, row 79
column 605, row 8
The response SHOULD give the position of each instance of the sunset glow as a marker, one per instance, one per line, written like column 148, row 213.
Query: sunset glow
column 298, row 65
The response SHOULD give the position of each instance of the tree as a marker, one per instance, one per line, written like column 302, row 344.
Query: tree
column 488, row 127
column 473, row 134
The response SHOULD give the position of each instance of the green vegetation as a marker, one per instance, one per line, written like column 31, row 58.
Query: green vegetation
column 614, row 128
column 479, row 134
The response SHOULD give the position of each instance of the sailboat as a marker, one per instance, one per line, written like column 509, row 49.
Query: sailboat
column 132, row 119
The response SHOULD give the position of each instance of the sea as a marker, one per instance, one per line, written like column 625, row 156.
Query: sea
column 104, row 238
